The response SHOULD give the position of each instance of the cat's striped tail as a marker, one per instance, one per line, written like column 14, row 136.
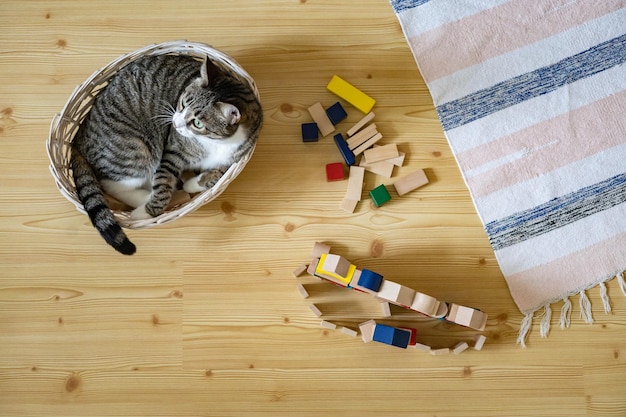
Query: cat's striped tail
column 91, row 195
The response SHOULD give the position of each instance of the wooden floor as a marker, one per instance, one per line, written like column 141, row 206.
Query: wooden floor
column 206, row 320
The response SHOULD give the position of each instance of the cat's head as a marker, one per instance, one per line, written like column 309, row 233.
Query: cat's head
column 209, row 107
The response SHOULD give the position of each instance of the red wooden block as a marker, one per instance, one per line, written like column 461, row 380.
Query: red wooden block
column 334, row 172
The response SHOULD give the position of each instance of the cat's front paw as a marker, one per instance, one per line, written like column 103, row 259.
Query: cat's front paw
column 140, row 213
column 192, row 185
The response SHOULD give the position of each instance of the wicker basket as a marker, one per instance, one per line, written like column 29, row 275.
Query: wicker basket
column 65, row 125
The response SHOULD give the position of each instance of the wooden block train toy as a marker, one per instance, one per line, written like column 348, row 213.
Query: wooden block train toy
column 339, row 271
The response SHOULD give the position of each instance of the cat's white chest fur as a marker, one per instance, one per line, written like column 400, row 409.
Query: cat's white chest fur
column 220, row 151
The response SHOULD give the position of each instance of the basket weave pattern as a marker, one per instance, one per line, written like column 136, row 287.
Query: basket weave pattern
column 64, row 127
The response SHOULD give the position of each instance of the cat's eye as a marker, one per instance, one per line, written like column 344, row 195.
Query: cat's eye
column 198, row 124
column 184, row 102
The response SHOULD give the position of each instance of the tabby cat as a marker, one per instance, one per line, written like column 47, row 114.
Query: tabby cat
column 159, row 117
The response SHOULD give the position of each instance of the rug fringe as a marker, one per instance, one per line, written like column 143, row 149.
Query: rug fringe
column 544, row 328
column 606, row 301
column 585, row 307
column 527, row 323
column 621, row 282
column 566, row 313
column 586, row 313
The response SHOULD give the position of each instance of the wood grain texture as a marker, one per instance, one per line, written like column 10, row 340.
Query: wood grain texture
column 206, row 319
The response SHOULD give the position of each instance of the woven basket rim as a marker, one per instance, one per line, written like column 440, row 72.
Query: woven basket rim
column 64, row 125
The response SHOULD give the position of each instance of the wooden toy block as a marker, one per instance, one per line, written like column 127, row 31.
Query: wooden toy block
column 323, row 122
column 336, row 113
column 385, row 309
column 303, row 292
column 300, row 270
column 315, row 310
column 459, row 348
column 351, row 94
column 349, row 332
column 440, row 352
column 319, row 249
column 425, row 304
column 367, row 144
column 313, row 266
column 382, row 168
column 362, row 136
column 391, row 336
column 355, row 183
column 361, row 123
column 468, row 317
column 370, row 281
column 441, row 311
column 355, row 279
column 334, row 172
column 328, row 325
column 422, row 347
column 310, row 132
column 398, row 160
column 413, row 339
column 381, row 153
column 396, row 293
column 341, row 279
column 380, row 195
column 347, row 154
column 479, row 341
column 349, row 205
column 410, row 182
column 367, row 330
column 336, row 264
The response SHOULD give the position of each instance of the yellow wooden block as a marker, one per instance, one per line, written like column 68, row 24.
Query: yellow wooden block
column 351, row 94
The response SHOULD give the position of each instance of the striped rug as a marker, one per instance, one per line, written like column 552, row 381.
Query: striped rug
column 531, row 95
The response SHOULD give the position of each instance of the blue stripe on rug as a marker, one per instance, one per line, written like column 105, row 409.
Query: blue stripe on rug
column 400, row 5
column 557, row 212
column 532, row 84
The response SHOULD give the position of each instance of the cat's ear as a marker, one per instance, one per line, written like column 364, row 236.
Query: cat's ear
column 231, row 113
column 208, row 72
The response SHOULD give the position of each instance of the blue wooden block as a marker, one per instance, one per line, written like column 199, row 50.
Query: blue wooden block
column 336, row 113
column 347, row 154
column 309, row 132
column 370, row 280
column 392, row 336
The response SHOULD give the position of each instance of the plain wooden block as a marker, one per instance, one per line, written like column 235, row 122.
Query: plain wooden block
column 319, row 249
column 328, row 325
column 479, row 341
column 362, row 136
column 367, row 144
column 440, row 352
column 385, row 309
column 396, row 293
column 468, row 317
column 381, row 153
column 425, row 304
column 365, row 120
column 315, row 310
column 349, row 332
column 422, row 347
column 321, row 118
column 336, row 264
column 442, row 310
column 313, row 266
column 355, row 183
column 459, row 348
column 300, row 270
column 367, row 330
column 349, row 205
column 410, row 182
column 382, row 168
column 303, row 292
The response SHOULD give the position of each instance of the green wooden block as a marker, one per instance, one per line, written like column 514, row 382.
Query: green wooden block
column 380, row 195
